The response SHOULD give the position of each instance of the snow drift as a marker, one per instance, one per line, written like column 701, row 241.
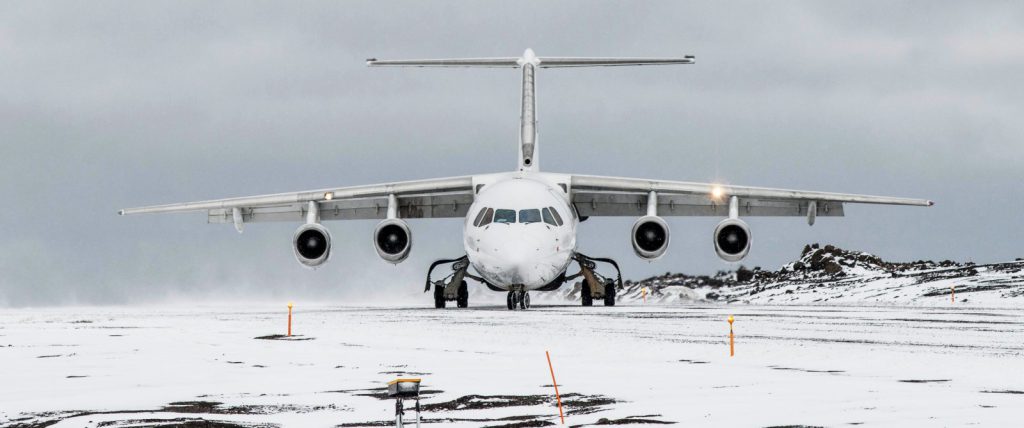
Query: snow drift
column 833, row 275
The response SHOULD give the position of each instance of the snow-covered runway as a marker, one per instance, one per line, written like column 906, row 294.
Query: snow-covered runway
column 794, row 365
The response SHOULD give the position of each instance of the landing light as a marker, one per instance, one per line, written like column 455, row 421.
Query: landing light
column 717, row 192
column 328, row 196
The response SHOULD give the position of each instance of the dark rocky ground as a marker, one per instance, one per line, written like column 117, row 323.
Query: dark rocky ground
column 844, row 273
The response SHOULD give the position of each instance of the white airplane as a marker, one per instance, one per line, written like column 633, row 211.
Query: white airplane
column 520, row 226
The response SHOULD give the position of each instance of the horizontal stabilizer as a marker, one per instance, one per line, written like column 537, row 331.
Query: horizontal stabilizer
column 542, row 62
column 552, row 62
column 452, row 62
column 528, row 64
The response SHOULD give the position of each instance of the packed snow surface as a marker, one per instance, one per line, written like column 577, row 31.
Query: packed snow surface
column 486, row 366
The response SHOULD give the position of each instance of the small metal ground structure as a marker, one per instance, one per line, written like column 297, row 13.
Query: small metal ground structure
column 400, row 389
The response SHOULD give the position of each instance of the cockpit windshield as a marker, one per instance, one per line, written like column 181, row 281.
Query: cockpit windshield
column 547, row 215
column 504, row 216
column 529, row 216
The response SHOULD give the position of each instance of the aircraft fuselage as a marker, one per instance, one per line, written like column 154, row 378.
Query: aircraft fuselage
column 521, row 231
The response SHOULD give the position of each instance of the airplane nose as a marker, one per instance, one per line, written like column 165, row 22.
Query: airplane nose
column 518, row 260
column 510, row 255
column 517, row 252
column 521, row 260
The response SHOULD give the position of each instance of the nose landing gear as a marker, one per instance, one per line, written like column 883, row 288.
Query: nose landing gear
column 518, row 297
column 595, row 285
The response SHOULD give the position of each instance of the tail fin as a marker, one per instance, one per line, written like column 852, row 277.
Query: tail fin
column 529, row 62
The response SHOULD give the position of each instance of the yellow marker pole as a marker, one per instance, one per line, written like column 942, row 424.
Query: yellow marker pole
column 645, row 294
column 732, row 347
column 290, row 319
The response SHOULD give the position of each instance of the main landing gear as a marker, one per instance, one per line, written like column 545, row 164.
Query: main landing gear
column 452, row 287
column 593, row 287
column 518, row 297
column 596, row 286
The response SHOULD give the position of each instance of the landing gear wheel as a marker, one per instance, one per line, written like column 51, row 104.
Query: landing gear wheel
column 462, row 300
column 609, row 294
column 588, row 299
column 511, row 300
column 524, row 301
column 438, row 296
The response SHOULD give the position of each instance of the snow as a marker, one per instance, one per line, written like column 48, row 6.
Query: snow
column 795, row 365
column 830, row 275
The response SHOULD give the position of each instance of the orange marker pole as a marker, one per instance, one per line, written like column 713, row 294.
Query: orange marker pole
column 555, row 383
column 732, row 347
column 645, row 294
column 289, row 319
column 952, row 294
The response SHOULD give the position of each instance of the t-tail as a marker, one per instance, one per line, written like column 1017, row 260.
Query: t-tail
column 529, row 62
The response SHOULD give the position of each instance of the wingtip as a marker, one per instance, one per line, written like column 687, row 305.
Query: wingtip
column 931, row 203
column 370, row 61
column 120, row 212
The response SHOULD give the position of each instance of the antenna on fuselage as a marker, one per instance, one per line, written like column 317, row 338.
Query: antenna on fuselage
column 529, row 63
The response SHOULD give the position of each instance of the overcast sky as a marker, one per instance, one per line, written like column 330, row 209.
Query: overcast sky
column 106, row 105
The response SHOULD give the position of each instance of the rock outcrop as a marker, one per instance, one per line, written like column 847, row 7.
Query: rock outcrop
column 831, row 274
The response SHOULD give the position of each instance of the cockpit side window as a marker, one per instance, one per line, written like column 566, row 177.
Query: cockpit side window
column 529, row 216
column 488, row 214
column 480, row 217
column 558, row 218
column 546, row 213
column 504, row 216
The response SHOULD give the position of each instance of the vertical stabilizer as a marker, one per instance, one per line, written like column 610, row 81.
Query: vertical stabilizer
column 528, row 114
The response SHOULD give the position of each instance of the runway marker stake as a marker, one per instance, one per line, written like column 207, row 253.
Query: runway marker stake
column 732, row 347
column 290, row 319
column 645, row 294
column 952, row 294
column 555, row 383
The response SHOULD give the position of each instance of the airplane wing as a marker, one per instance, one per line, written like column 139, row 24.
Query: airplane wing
column 434, row 198
column 615, row 196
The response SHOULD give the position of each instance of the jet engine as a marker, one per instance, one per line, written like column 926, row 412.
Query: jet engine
column 393, row 239
column 650, row 237
column 732, row 239
column 312, row 244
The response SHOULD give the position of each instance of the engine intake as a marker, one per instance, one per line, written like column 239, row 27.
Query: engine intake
column 312, row 244
column 732, row 239
column 650, row 237
column 393, row 240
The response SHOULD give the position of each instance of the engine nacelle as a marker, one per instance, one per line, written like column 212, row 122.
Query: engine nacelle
column 650, row 237
column 393, row 240
column 732, row 239
column 312, row 244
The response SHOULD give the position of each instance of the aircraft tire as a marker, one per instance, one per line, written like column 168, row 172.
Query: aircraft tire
column 462, row 300
column 510, row 301
column 585, row 295
column 439, row 297
column 609, row 294
column 524, row 301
